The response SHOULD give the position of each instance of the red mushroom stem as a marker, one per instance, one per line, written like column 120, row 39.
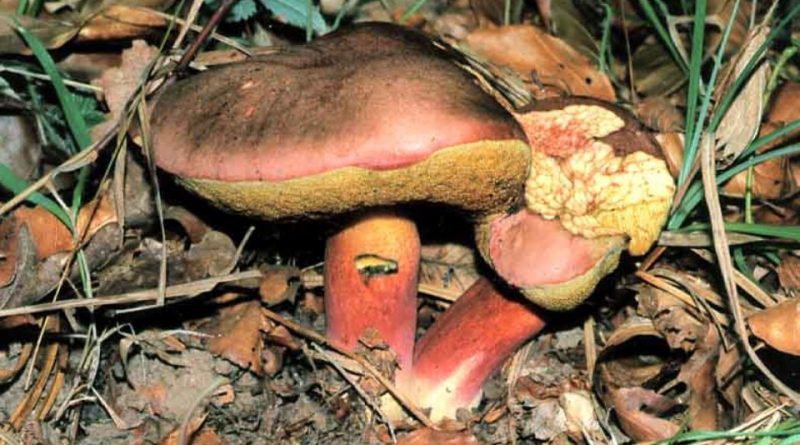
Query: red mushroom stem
column 371, row 270
column 466, row 345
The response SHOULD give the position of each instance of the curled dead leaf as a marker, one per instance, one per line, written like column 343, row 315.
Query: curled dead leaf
column 548, row 65
column 637, row 410
column 279, row 284
column 779, row 326
column 741, row 121
column 789, row 274
column 121, row 22
column 672, row 147
column 429, row 436
column 237, row 335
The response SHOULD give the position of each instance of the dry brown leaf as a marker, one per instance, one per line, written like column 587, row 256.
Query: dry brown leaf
column 120, row 22
column 672, row 148
column 447, row 269
column 675, row 321
column 279, row 284
column 779, row 326
column 655, row 73
column 194, row 434
column 637, row 410
column 660, row 114
column 729, row 378
column 120, row 83
column 741, row 122
column 194, row 226
column 772, row 179
column 699, row 375
column 783, row 108
column 547, row 64
column 21, row 150
column 237, row 335
column 769, row 178
column 789, row 274
column 53, row 33
column 428, row 436
column 49, row 235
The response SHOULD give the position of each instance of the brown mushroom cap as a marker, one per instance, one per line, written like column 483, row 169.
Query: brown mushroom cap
column 373, row 116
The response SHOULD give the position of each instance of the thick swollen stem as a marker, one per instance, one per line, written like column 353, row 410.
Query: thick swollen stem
column 466, row 345
column 371, row 270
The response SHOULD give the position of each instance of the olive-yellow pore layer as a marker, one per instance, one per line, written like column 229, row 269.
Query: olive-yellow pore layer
column 454, row 176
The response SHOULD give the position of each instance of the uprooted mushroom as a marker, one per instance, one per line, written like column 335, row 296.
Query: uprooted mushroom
column 363, row 124
column 598, row 185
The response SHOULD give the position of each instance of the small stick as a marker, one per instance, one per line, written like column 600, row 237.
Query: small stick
column 318, row 338
column 203, row 36
column 367, row 399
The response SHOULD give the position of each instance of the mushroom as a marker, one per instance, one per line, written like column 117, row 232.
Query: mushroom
column 598, row 185
column 354, row 126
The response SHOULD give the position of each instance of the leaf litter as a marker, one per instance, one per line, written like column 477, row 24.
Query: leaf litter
column 236, row 355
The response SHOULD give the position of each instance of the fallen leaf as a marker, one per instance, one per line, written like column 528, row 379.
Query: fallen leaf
column 429, row 436
column 677, row 322
column 779, row 326
column 672, row 148
column 121, row 22
column 637, row 410
column 236, row 332
column 772, row 179
column 194, row 226
column 21, row 151
column 789, row 274
column 547, row 64
column 660, row 114
column 279, row 284
column 698, row 373
column 741, row 121
column 120, row 83
column 447, row 269
column 194, row 434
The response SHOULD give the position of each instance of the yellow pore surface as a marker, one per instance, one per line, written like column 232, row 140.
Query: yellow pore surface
column 595, row 192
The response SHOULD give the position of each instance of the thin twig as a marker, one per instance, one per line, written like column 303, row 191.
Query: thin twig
column 175, row 291
column 188, row 56
column 367, row 399
column 725, row 262
column 319, row 338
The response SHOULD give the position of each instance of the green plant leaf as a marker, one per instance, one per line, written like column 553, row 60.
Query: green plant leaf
column 242, row 10
column 297, row 13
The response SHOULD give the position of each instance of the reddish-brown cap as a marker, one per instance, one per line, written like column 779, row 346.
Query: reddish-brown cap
column 372, row 116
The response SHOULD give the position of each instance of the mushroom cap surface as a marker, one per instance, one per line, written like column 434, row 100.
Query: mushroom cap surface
column 373, row 116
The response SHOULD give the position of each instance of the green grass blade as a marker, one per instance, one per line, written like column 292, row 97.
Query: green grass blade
column 412, row 9
column 695, row 81
column 766, row 139
column 75, row 121
column 13, row 183
column 663, row 34
column 695, row 192
column 733, row 91
column 693, row 142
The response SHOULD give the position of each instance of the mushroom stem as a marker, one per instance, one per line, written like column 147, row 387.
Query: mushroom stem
column 371, row 270
column 470, row 341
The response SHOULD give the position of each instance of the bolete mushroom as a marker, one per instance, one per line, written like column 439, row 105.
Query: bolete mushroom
column 356, row 125
column 598, row 185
